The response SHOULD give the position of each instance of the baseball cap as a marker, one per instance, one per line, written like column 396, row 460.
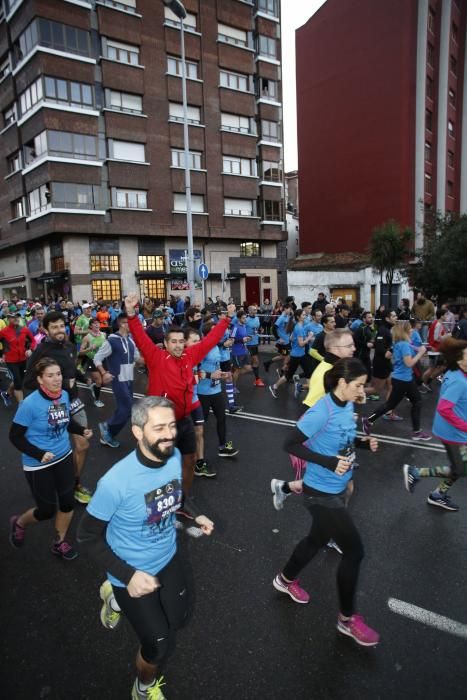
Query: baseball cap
column 158, row 314
column 13, row 311
column 86, row 306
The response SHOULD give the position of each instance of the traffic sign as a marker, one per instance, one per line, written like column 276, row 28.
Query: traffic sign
column 203, row 271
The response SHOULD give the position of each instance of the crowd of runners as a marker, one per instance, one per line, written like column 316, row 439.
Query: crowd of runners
column 57, row 356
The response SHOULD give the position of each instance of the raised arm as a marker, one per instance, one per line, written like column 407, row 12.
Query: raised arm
column 200, row 350
column 145, row 345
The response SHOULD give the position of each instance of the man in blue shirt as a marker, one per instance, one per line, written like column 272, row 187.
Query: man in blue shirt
column 252, row 324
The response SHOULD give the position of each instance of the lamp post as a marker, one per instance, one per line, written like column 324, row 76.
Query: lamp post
column 179, row 10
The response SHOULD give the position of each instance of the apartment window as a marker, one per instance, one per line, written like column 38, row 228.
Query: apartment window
column 239, row 207
column 428, row 152
column 197, row 203
column 429, row 87
column 176, row 113
column 452, row 97
column 234, row 165
column 129, row 199
column 231, row 35
column 451, row 159
column 105, row 263
column 270, row 131
column 234, row 81
column 127, row 5
column 272, row 171
column 34, row 148
column 429, row 119
column 39, row 200
column 189, row 22
column 123, row 101
column 269, row 7
column 127, row 150
column 267, row 46
column 18, row 208
column 453, row 64
column 431, row 21
column 31, row 96
column 53, row 35
column 70, row 145
column 235, row 122
column 428, row 184
column 14, row 162
column 152, row 288
column 124, row 53
column 430, row 54
column 454, row 32
column 70, row 195
column 267, row 89
column 272, row 210
column 5, row 69
column 57, row 263
column 175, row 67
column 108, row 290
column 9, row 115
column 249, row 249
column 68, row 92
column 451, row 128
column 151, row 263
column 450, row 188
column 178, row 159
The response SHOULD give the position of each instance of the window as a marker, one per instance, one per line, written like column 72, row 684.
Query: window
column 70, row 145
column 429, row 119
column 9, row 115
column 14, row 162
column 57, row 263
column 197, row 203
column 108, row 290
column 231, row 35
column 234, row 81
column 176, row 113
column 234, row 165
column 451, row 128
column 123, row 101
column 151, row 263
column 178, row 159
column 31, row 96
column 429, row 87
column 126, row 150
column 53, row 35
column 126, row 5
column 428, row 152
column 430, row 54
column 431, row 21
column 454, row 32
column 105, row 263
column 267, row 89
column 5, row 69
column 189, row 22
column 124, row 53
column 152, row 288
column 39, row 200
column 452, row 97
column 272, row 210
column 270, row 131
column 450, row 188
column 234, row 122
column 18, row 208
column 175, row 67
column 451, row 159
column 428, row 184
column 269, row 7
column 239, row 207
column 34, row 148
column 26, row 41
column 267, row 46
column 272, row 171
column 129, row 199
column 70, row 195
column 68, row 92
column 249, row 249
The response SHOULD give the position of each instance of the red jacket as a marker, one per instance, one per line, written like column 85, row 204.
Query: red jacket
column 14, row 343
column 172, row 376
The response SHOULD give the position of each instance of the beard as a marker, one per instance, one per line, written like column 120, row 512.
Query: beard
column 160, row 453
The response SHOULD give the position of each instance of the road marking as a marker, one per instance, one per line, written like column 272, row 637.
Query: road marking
column 426, row 617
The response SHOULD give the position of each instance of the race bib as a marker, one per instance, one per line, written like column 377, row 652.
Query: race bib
column 162, row 502
column 58, row 415
column 75, row 406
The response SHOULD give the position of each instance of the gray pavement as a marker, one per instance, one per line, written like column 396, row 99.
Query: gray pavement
column 245, row 640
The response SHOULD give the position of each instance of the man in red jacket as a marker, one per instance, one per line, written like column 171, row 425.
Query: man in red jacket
column 18, row 343
column 171, row 374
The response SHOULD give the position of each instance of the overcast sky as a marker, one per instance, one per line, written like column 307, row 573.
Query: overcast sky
column 294, row 14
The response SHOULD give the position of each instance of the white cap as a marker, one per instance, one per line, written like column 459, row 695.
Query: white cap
column 86, row 306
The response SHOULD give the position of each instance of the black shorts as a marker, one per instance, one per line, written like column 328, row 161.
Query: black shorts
column 17, row 371
column 89, row 365
column 381, row 368
column 240, row 361
column 283, row 349
column 225, row 366
column 252, row 349
column 197, row 415
column 56, row 482
column 186, row 437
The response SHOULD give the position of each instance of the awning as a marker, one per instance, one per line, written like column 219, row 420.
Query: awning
column 53, row 276
column 12, row 280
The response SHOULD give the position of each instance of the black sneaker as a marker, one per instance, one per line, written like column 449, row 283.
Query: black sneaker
column 228, row 450
column 235, row 409
column 442, row 501
column 202, row 468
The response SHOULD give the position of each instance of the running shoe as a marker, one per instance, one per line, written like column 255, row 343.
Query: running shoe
column 6, row 398
column 259, row 382
column 109, row 617
column 203, row 469
column 227, row 450
column 392, row 417
column 356, row 628
column 332, row 544
column 273, row 390
column 297, row 389
column 236, row 391
column 64, row 550
column 154, row 691
column 366, row 425
column 16, row 536
column 440, row 378
column 293, row 589
column 82, row 494
column 194, row 531
column 373, row 397
column 410, row 477
column 442, row 501
column 98, row 403
column 106, row 437
column 421, row 390
column 427, row 387
column 421, row 435
column 235, row 409
column 278, row 495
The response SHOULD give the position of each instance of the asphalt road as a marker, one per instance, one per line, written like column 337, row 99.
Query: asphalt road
column 245, row 641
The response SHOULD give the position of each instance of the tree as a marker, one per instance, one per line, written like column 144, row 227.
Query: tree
column 388, row 250
column 441, row 267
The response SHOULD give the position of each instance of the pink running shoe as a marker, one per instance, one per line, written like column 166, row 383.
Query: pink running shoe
column 356, row 628
column 292, row 589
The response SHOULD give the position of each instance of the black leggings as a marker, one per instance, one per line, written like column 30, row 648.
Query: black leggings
column 156, row 617
column 17, row 371
column 398, row 391
column 304, row 362
column 337, row 524
column 457, row 455
column 50, row 483
column 217, row 403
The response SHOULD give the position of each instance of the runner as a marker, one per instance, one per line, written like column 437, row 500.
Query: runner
column 225, row 349
column 129, row 529
column 91, row 343
column 450, row 426
column 241, row 359
column 283, row 341
column 253, row 324
column 325, row 438
column 436, row 332
column 202, row 468
column 18, row 344
column 382, row 359
column 298, row 357
column 82, row 323
column 40, row 431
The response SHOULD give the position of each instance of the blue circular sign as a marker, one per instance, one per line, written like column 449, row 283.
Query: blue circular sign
column 203, row 271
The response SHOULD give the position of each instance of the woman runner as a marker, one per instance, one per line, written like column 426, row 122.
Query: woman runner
column 94, row 340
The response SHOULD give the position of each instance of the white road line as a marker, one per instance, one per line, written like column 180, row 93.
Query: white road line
column 426, row 617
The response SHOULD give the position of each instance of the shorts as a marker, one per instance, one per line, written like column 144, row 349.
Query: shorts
column 283, row 349
column 436, row 359
column 186, row 437
column 240, row 361
column 89, row 365
column 81, row 418
column 197, row 415
column 225, row 366
column 16, row 371
column 382, row 368
column 252, row 349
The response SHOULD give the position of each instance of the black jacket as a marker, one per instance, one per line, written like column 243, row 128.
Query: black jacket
column 65, row 355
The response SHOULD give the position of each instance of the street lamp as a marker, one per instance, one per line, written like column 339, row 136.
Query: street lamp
column 179, row 10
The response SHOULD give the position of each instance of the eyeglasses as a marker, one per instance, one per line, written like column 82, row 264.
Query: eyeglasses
column 349, row 345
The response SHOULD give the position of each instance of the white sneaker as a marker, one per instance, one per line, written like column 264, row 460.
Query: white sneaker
column 279, row 496
column 98, row 403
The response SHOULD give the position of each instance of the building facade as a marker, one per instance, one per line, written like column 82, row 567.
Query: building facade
column 93, row 200
column 291, row 214
column 382, row 124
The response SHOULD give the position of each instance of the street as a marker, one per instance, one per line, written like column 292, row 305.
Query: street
column 245, row 640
